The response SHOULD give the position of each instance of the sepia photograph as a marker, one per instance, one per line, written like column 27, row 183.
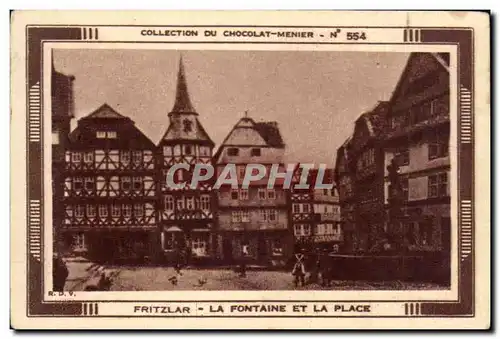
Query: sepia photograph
column 376, row 126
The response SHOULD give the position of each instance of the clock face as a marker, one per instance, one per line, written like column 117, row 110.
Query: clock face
column 187, row 125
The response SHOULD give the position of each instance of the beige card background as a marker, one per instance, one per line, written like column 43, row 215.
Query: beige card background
column 478, row 21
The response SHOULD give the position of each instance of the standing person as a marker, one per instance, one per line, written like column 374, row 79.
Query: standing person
column 244, row 256
column 59, row 273
column 299, row 270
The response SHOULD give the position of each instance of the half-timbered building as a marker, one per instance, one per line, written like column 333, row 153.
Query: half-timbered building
column 253, row 222
column 418, row 137
column 62, row 102
column 345, row 185
column 315, row 212
column 366, row 156
column 109, row 193
column 186, row 217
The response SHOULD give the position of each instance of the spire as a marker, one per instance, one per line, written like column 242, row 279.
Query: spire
column 182, row 101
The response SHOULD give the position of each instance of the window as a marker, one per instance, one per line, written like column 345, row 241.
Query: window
column 269, row 214
column 137, row 183
column 137, row 157
column 79, row 210
column 89, row 183
column 235, row 216
column 190, row 203
column 204, row 151
column 262, row 193
column 325, row 209
column 245, row 216
column 255, row 152
column 115, row 210
column 305, row 208
column 138, row 210
column 103, row 210
column 273, row 215
column 177, row 150
column 169, row 203
column 330, row 229
column 76, row 157
column 296, row 208
column 205, row 202
column 276, row 247
column 402, row 155
column 302, row 230
column 125, row 183
column 88, row 157
column 90, row 211
column 78, row 183
column 321, row 229
column 243, row 194
column 438, row 147
column 106, row 135
column 438, row 185
column 234, row 194
column 232, row 152
column 325, row 191
column 167, row 150
column 79, row 242
column 199, row 246
column 127, row 210
column 188, row 150
column 271, row 194
column 55, row 137
column 125, row 157
column 180, row 203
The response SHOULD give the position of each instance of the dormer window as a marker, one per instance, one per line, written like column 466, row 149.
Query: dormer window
column 188, row 150
column 232, row 152
column 106, row 134
column 255, row 152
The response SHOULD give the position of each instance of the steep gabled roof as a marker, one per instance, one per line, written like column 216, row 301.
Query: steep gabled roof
column 442, row 59
column 270, row 133
column 105, row 112
column 201, row 134
column 375, row 119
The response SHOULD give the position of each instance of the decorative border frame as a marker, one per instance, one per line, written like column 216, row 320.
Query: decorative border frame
column 463, row 38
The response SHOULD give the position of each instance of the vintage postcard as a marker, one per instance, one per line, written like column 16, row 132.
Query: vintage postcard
column 238, row 170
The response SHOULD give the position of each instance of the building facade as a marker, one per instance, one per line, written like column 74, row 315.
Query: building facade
column 110, row 191
column 315, row 213
column 344, row 177
column 366, row 157
column 186, row 217
column 417, row 137
column 253, row 223
column 62, row 112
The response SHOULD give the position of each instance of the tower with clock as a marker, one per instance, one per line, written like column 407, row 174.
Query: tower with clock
column 186, row 215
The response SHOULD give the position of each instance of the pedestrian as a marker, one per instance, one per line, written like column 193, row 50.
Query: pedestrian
column 59, row 273
column 299, row 270
column 243, row 263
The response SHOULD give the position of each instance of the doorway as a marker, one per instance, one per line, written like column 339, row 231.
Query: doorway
column 227, row 250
